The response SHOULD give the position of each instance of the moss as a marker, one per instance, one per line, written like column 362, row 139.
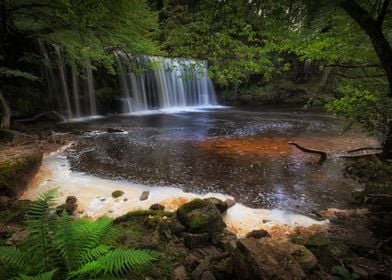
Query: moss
column 117, row 193
column 15, row 173
column 197, row 220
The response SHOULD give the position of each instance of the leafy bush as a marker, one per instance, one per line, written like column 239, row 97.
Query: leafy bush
column 66, row 248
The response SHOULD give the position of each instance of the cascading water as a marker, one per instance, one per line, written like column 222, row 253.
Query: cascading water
column 73, row 101
column 63, row 79
column 150, row 83
column 90, row 86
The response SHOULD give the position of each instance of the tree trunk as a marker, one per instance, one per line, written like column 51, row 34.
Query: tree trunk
column 5, row 112
column 373, row 29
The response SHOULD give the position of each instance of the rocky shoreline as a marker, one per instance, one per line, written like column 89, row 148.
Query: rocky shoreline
column 194, row 241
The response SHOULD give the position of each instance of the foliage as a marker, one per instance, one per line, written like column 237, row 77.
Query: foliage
column 66, row 248
column 367, row 104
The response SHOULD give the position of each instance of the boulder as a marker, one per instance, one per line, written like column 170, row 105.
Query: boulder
column 258, row 233
column 222, row 206
column 157, row 206
column 144, row 195
column 69, row 206
column 229, row 202
column 200, row 216
column 269, row 258
column 17, row 166
column 196, row 240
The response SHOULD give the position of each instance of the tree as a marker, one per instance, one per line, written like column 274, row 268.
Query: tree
column 82, row 28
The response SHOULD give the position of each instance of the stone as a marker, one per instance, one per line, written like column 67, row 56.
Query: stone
column 18, row 165
column 192, row 261
column 200, row 216
column 69, row 206
column 222, row 206
column 145, row 195
column 114, row 130
column 150, row 242
column 258, row 233
column 157, row 206
column 117, row 193
column 179, row 273
column 199, row 270
column 270, row 258
column 222, row 240
column 176, row 227
column 196, row 240
column 229, row 202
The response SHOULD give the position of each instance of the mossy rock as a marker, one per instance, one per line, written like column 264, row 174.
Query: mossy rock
column 17, row 166
column 117, row 193
column 200, row 216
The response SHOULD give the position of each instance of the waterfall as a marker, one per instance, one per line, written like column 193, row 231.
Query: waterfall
column 75, row 89
column 149, row 83
column 63, row 79
column 90, row 86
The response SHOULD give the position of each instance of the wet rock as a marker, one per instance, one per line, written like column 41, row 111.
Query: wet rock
column 258, row 233
column 17, row 166
column 60, row 138
column 207, row 275
column 229, row 202
column 200, row 216
column 269, row 258
column 117, row 193
column 196, row 240
column 180, row 273
column 222, row 206
column 114, row 130
column 69, row 206
column 144, row 195
column 157, row 206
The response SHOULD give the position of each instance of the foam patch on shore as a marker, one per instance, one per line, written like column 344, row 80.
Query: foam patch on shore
column 95, row 199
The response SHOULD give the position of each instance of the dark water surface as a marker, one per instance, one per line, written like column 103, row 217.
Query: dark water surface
column 232, row 151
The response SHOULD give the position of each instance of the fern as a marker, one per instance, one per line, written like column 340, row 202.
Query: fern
column 14, row 257
column 42, row 276
column 116, row 262
column 73, row 247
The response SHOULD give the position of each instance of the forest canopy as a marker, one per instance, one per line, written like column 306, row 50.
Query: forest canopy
column 247, row 44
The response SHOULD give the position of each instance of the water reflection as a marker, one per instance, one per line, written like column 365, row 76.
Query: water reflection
column 240, row 153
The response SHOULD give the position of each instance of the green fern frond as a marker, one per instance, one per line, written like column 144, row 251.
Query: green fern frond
column 42, row 276
column 117, row 262
column 14, row 257
column 95, row 253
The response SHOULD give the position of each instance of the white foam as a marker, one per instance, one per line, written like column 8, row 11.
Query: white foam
column 94, row 197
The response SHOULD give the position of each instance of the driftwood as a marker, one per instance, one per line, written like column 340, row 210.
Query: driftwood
column 347, row 154
column 322, row 154
column 365, row 149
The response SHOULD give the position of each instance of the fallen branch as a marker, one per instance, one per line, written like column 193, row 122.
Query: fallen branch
column 364, row 149
column 322, row 154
